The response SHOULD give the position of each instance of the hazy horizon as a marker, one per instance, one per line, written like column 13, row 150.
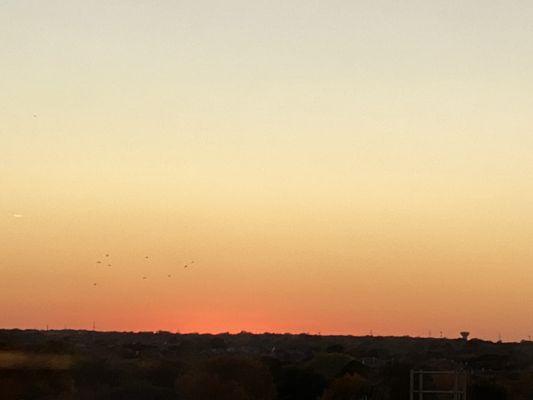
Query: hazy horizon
column 333, row 167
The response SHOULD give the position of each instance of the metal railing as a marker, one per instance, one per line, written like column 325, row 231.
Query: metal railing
column 419, row 391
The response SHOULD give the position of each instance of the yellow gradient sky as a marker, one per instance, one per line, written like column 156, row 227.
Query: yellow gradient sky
column 330, row 166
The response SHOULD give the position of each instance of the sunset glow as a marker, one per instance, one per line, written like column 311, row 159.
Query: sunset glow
column 333, row 167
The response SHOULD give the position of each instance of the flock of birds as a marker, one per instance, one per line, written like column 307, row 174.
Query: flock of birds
column 107, row 262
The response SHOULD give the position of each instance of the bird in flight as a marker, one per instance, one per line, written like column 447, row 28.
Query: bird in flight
column 107, row 255
column 144, row 277
column 108, row 265
column 94, row 284
column 170, row 276
column 98, row 262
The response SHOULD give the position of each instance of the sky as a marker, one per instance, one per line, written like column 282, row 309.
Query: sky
column 329, row 166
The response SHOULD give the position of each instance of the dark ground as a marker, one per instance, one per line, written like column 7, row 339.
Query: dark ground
column 68, row 364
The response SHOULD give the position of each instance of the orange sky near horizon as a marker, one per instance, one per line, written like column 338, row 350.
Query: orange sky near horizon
column 336, row 167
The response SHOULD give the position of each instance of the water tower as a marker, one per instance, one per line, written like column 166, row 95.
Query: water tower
column 464, row 335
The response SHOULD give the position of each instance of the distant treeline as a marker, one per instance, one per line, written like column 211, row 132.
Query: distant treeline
column 69, row 364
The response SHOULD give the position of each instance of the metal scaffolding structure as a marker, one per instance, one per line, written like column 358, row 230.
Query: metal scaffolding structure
column 421, row 389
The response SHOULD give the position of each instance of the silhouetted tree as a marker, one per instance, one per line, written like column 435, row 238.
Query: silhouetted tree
column 300, row 384
column 348, row 387
column 231, row 378
column 335, row 348
column 488, row 391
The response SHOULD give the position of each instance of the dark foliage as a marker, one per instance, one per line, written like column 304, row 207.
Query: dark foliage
column 82, row 365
